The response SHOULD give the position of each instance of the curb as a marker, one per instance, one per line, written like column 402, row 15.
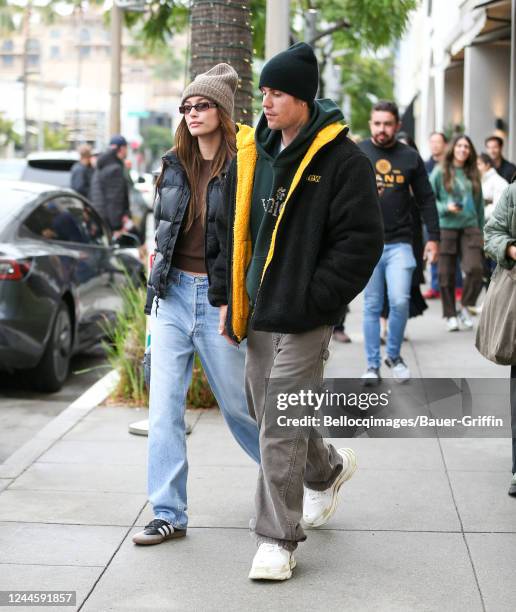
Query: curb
column 25, row 456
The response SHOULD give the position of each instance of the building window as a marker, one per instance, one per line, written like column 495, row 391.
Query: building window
column 8, row 45
column 85, row 51
column 84, row 35
column 55, row 52
column 8, row 60
column 33, row 60
column 33, row 45
column 55, row 33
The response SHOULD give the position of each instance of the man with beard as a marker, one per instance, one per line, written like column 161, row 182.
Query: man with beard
column 402, row 170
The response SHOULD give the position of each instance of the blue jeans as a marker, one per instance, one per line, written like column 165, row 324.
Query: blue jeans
column 183, row 324
column 395, row 269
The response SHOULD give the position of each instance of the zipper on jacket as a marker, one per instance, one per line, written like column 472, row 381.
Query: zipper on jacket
column 208, row 189
column 305, row 173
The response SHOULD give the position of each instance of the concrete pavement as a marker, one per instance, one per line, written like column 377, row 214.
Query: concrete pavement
column 424, row 524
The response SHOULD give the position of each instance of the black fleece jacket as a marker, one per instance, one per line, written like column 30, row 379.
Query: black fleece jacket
column 328, row 241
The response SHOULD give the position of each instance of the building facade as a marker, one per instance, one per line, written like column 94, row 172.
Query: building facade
column 68, row 84
column 457, row 66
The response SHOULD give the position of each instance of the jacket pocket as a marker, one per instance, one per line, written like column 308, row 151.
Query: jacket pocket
column 474, row 238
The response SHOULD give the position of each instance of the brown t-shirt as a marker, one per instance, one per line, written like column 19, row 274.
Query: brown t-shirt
column 189, row 249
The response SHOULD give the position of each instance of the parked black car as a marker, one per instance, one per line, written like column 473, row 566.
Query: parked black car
column 59, row 270
column 54, row 168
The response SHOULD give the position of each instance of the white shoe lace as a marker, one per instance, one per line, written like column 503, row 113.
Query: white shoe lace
column 314, row 496
column 269, row 547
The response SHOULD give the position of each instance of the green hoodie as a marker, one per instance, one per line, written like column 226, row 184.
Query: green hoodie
column 273, row 175
column 472, row 213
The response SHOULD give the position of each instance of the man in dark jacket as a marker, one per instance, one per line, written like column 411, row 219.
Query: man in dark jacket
column 82, row 171
column 300, row 234
column 109, row 188
column 403, row 173
column 494, row 146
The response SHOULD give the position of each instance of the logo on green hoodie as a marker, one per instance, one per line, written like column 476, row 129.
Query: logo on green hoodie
column 274, row 205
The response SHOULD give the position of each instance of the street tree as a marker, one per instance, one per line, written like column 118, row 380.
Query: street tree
column 221, row 32
column 347, row 33
column 8, row 135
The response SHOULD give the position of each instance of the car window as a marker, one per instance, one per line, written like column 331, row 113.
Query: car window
column 58, row 219
column 51, row 176
column 92, row 224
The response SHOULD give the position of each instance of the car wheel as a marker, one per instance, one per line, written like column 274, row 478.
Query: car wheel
column 52, row 370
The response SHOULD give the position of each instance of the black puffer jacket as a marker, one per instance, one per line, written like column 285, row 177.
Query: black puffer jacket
column 109, row 192
column 171, row 204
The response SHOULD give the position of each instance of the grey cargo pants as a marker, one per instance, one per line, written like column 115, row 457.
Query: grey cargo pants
column 287, row 463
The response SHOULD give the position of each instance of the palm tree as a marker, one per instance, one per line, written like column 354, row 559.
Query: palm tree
column 221, row 32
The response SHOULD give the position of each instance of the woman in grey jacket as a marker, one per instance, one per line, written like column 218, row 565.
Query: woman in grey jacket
column 500, row 244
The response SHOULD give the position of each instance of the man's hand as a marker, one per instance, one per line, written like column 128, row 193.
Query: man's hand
column 453, row 208
column 511, row 252
column 223, row 313
column 431, row 254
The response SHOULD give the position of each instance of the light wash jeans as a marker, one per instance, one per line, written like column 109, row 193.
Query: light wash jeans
column 183, row 324
column 395, row 269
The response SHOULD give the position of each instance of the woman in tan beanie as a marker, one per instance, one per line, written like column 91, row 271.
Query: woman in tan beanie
column 189, row 192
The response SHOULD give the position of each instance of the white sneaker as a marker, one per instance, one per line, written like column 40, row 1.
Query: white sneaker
column 272, row 562
column 400, row 371
column 465, row 319
column 452, row 324
column 320, row 506
column 371, row 377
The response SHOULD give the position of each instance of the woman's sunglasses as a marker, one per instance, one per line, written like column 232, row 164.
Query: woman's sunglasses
column 199, row 108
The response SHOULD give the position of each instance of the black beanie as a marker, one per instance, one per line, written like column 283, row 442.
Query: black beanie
column 293, row 71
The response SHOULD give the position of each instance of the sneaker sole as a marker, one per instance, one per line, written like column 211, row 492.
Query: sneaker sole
column 148, row 541
column 370, row 382
column 344, row 476
column 267, row 573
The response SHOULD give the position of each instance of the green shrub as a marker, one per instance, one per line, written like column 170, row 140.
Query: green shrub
column 126, row 347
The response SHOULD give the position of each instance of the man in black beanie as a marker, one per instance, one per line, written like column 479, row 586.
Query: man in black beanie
column 300, row 235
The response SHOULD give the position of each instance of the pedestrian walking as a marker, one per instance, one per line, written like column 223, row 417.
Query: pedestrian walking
column 438, row 143
column 461, row 216
column 417, row 305
column 109, row 189
column 300, row 236
column 82, row 171
column 406, row 186
column 494, row 146
column 493, row 185
column 499, row 316
column 189, row 192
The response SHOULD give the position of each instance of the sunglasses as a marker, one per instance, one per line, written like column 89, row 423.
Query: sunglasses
column 199, row 108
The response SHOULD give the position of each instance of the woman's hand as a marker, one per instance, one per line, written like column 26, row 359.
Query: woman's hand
column 511, row 252
column 223, row 313
column 453, row 208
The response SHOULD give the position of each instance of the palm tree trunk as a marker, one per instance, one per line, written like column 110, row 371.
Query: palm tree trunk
column 221, row 32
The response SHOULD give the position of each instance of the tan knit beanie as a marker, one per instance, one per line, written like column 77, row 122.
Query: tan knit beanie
column 218, row 84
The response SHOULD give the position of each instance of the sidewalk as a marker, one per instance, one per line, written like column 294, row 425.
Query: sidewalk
column 423, row 525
